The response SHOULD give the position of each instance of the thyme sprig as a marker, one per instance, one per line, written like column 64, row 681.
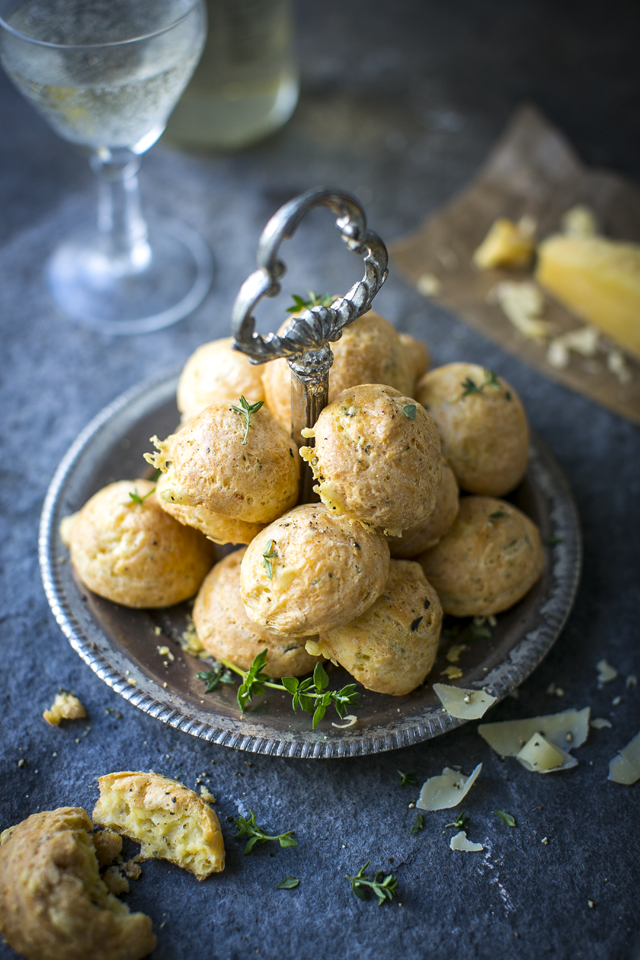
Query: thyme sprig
column 313, row 300
column 136, row 498
column 311, row 694
column 385, row 889
column 247, row 410
column 249, row 828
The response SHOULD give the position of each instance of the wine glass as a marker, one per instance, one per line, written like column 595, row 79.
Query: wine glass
column 106, row 74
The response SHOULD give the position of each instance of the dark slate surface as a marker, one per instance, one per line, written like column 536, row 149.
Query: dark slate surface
column 400, row 104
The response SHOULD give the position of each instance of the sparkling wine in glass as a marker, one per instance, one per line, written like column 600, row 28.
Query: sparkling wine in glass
column 106, row 74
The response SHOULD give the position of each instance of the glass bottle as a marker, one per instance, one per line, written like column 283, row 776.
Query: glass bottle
column 246, row 84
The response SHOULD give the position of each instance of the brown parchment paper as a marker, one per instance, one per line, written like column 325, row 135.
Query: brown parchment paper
column 532, row 170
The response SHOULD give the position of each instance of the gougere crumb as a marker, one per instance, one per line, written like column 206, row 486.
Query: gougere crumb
column 64, row 707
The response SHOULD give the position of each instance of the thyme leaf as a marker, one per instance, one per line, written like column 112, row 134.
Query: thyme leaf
column 289, row 883
column 407, row 779
column 136, row 498
column 506, row 818
column 410, row 411
column 268, row 556
column 418, row 825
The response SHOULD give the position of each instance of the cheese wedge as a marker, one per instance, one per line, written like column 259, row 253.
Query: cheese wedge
column 597, row 279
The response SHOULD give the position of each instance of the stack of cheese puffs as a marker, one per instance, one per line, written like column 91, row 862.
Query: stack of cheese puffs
column 361, row 577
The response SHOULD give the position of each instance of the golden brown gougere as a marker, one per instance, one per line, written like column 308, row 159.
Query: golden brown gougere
column 489, row 559
column 377, row 458
column 311, row 571
column 391, row 647
column 244, row 471
column 225, row 630
column 216, row 372
column 132, row 552
column 482, row 424
column 369, row 351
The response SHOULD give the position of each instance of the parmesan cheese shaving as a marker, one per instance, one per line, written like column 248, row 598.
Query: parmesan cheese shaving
column 508, row 737
column 460, row 842
column 584, row 340
column 600, row 723
column 539, row 755
column 462, row 703
column 625, row 768
column 447, row 790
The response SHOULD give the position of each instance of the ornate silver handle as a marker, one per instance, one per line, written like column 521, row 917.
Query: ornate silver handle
column 305, row 343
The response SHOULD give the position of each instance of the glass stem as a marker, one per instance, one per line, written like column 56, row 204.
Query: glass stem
column 121, row 225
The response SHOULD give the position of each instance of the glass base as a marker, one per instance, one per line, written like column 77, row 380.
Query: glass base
column 171, row 278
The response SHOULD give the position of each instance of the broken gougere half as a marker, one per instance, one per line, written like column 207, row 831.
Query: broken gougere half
column 168, row 820
column 53, row 903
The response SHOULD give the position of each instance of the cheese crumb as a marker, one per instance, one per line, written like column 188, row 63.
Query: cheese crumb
column 462, row 703
column 165, row 652
column 523, row 305
column 460, row 842
column 428, row 284
column 206, row 794
column 599, row 723
column 584, row 340
column 579, row 221
column 453, row 673
column 65, row 707
column 453, row 653
column 350, row 721
column 631, row 681
column 606, row 673
column 447, row 790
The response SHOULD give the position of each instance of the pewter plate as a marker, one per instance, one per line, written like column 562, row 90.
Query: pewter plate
column 120, row 644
